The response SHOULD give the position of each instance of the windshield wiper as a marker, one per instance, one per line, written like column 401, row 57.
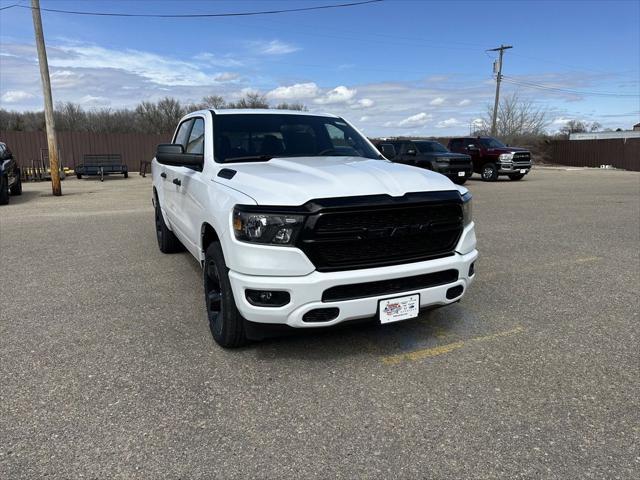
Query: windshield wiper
column 249, row 158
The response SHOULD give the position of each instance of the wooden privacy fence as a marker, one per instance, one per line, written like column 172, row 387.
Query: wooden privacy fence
column 621, row 153
column 28, row 147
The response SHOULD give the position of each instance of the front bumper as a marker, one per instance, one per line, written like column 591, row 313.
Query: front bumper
column 306, row 291
column 509, row 168
column 452, row 171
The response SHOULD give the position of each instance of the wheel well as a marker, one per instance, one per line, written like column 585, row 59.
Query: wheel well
column 208, row 235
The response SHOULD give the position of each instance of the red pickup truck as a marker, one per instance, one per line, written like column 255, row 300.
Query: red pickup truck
column 491, row 158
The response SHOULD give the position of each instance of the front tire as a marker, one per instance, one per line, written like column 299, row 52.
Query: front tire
column 516, row 176
column 459, row 180
column 4, row 190
column 167, row 241
column 225, row 322
column 489, row 172
column 17, row 188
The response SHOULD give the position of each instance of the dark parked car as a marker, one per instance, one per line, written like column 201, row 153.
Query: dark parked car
column 428, row 154
column 492, row 158
column 10, row 181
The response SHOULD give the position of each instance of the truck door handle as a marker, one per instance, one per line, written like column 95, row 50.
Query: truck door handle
column 163, row 175
column 177, row 181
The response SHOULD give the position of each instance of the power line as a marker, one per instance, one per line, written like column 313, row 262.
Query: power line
column 10, row 6
column 527, row 84
column 202, row 15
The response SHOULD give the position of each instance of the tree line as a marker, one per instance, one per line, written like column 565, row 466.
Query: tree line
column 147, row 117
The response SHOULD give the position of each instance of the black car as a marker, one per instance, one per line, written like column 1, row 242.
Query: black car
column 10, row 181
column 428, row 154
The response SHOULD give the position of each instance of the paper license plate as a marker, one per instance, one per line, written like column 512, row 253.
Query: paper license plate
column 461, row 174
column 400, row 308
column 523, row 171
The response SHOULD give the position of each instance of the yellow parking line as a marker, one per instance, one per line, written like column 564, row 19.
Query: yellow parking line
column 446, row 348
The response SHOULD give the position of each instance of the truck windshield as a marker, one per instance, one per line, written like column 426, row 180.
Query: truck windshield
column 431, row 147
column 491, row 143
column 254, row 137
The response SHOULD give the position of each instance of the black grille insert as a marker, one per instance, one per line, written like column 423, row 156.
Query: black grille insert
column 388, row 287
column 371, row 236
column 318, row 315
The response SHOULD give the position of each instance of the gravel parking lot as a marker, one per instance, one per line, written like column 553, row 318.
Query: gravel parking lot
column 108, row 370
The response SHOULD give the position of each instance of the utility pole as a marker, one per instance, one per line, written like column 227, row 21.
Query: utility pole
column 494, row 120
column 52, row 143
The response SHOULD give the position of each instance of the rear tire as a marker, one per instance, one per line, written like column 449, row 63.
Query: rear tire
column 4, row 190
column 126, row 174
column 489, row 172
column 79, row 175
column 225, row 322
column 516, row 176
column 17, row 188
column 167, row 241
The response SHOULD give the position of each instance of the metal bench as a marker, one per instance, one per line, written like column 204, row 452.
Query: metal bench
column 102, row 164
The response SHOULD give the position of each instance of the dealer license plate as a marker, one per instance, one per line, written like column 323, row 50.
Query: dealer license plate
column 461, row 174
column 523, row 171
column 400, row 308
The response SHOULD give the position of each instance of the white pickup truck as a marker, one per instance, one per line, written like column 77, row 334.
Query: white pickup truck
column 298, row 221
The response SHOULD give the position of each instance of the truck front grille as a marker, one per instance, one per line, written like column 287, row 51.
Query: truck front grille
column 372, row 236
column 523, row 157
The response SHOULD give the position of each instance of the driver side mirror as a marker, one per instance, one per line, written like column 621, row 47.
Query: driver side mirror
column 173, row 154
column 388, row 150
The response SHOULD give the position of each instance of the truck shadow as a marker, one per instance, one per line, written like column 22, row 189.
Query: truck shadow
column 25, row 197
column 430, row 329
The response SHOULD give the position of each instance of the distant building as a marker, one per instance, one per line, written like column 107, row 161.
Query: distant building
column 635, row 133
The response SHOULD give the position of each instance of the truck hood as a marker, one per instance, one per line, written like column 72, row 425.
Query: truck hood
column 506, row 150
column 295, row 181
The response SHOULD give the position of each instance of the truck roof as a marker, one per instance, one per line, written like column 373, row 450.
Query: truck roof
column 268, row 111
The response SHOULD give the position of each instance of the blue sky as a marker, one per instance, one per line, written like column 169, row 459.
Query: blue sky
column 393, row 68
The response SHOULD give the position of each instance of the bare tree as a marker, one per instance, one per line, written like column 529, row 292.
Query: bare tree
column 147, row 117
column 214, row 101
column 580, row 126
column 516, row 117
column 70, row 116
column 251, row 100
column 291, row 106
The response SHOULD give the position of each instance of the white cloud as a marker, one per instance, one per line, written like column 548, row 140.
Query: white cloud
column 274, row 47
column 155, row 68
column 216, row 60
column 464, row 102
column 13, row 96
column 364, row 118
column 340, row 94
column 365, row 103
column 437, row 101
column 298, row 91
column 561, row 121
column 449, row 122
column 93, row 101
column 417, row 120
column 226, row 77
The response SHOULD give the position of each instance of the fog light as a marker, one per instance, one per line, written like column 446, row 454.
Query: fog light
column 267, row 298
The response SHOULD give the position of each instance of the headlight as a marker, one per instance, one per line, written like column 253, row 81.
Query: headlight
column 267, row 228
column 466, row 209
column 442, row 159
column 506, row 157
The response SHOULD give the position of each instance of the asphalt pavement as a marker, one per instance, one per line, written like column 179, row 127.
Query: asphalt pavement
column 108, row 369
